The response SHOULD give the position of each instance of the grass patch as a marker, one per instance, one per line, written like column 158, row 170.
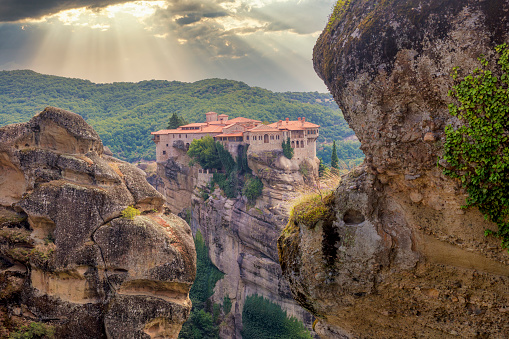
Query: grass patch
column 311, row 208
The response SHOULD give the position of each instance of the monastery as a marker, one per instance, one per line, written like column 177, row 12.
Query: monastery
column 240, row 131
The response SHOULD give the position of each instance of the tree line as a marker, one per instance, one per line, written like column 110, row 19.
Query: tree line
column 125, row 113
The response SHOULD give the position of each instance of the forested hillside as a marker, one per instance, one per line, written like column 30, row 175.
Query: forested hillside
column 124, row 114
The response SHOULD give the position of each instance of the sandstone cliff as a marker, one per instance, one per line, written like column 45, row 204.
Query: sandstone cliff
column 395, row 256
column 67, row 256
column 241, row 237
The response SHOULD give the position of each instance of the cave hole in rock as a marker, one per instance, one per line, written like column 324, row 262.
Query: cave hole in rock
column 353, row 217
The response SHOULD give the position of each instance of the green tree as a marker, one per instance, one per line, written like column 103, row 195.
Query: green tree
column 322, row 169
column 263, row 319
column 334, row 160
column 204, row 151
column 477, row 152
column 253, row 188
column 176, row 121
column 200, row 324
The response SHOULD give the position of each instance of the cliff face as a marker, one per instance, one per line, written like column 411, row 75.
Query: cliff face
column 395, row 255
column 241, row 237
column 67, row 256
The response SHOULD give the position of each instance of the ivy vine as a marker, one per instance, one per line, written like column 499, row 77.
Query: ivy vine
column 477, row 152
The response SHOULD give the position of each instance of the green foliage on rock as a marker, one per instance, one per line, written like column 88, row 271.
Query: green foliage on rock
column 477, row 151
column 287, row 148
column 262, row 319
column 337, row 12
column 227, row 304
column 124, row 114
column 310, row 209
column 252, row 188
column 35, row 330
column 205, row 152
column 130, row 212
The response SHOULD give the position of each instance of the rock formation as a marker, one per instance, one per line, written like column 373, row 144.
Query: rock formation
column 68, row 257
column 241, row 237
column 395, row 256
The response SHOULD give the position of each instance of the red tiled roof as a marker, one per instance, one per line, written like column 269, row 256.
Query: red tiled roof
column 263, row 128
column 230, row 135
column 196, row 124
column 204, row 130
column 294, row 125
column 241, row 119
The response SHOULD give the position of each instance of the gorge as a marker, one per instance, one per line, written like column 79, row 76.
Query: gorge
column 240, row 235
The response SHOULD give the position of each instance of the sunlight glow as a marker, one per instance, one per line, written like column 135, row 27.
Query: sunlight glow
column 142, row 40
column 138, row 9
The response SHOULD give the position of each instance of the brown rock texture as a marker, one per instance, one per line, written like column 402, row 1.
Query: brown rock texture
column 395, row 256
column 68, row 258
column 241, row 236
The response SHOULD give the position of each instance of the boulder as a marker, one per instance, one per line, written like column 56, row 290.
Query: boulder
column 71, row 257
column 393, row 254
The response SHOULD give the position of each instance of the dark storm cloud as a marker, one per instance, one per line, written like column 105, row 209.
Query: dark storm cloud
column 14, row 10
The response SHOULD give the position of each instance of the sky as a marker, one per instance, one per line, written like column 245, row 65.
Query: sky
column 265, row 43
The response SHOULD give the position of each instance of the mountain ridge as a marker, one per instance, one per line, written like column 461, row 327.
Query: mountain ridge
column 124, row 113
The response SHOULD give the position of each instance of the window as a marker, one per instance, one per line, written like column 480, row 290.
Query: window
column 164, row 152
column 302, row 144
column 180, row 136
column 293, row 144
column 266, row 138
column 247, row 137
column 166, row 145
column 271, row 138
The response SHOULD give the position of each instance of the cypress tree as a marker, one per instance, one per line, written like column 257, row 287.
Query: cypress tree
column 321, row 168
column 334, row 161
column 176, row 121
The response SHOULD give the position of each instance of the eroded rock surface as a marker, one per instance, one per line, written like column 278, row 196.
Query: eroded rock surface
column 68, row 258
column 396, row 256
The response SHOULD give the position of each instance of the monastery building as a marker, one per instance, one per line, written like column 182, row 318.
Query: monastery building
column 240, row 131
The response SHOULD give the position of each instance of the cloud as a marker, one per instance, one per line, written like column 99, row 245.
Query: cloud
column 17, row 10
column 262, row 42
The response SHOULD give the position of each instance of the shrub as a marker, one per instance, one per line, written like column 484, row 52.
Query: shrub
column 312, row 208
column 227, row 304
column 35, row 330
column 477, row 152
column 130, row 212
column 253, row 188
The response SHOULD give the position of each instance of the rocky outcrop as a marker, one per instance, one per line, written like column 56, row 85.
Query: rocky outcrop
column 241, row 236
column 394, row 255
column 68, row 256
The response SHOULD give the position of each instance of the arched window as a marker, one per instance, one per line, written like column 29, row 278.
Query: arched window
column 293, row 144
column 302, row 144
column 266, row 138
